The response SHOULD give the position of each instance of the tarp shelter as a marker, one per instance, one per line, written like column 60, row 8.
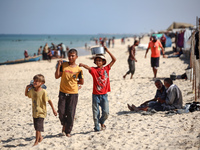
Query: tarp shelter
column 168, row 39
column 157, row 35
column 177, row 25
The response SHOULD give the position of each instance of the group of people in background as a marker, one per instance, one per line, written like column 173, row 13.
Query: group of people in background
column 154, row 45
column 53, row 51
column 106, row 41
column 168, row 96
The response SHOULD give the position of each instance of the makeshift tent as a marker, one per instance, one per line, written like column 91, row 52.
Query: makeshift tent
column 177, row 25
column 187, row 40
column 168, row 39
column 157, row 35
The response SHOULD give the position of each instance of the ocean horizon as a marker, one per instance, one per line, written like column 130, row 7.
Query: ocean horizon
column 12, row 46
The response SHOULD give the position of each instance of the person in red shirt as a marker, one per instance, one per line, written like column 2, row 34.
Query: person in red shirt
column 163, row 41
column 155, row 54
column 101, row 85
column 26, row 54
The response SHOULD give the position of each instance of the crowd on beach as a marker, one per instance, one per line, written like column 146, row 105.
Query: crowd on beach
column 105, row 41
column 53, row 51
column 50, row 52
column 168, row 96
column 60, row 50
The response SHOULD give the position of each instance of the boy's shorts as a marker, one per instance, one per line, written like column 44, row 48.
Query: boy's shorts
column 38, row 124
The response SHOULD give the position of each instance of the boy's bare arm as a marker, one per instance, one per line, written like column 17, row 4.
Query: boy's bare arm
column 85, row 66
column 146, row 52
column 81, row 81
column 26, row 90
column 111, row 55
column 58, row 74
column 51, row 104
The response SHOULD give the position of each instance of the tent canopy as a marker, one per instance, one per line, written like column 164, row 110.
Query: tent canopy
column 177, row 25
column 168, row 39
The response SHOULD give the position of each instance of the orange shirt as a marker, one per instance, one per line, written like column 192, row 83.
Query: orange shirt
column 155, row 52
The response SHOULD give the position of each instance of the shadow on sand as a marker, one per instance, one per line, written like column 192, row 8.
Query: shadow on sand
column 10, row 140
column 126, row 112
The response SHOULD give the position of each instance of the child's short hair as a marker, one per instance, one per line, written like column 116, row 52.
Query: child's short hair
column 39, row 77
column 135, row 41
column 168, row 80
column 73, row 51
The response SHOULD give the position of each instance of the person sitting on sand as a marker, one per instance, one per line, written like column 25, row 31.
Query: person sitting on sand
column 153, row 103
column 172, row 101
column 39, row 99
column 174, row 98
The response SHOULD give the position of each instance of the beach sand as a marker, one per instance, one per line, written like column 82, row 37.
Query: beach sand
column 125, row 130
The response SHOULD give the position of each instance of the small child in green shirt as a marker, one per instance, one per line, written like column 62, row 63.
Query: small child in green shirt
column 39, row 98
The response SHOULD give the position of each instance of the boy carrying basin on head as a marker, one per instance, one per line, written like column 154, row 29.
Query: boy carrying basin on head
column 101, row 85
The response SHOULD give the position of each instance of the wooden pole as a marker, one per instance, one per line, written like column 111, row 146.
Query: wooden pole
column 199, row 65
column 195, row 90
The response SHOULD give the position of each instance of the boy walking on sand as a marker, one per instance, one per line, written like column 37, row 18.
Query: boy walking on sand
column 101, row 85
column 132, row 59
column 39, row 98
column 71, row 75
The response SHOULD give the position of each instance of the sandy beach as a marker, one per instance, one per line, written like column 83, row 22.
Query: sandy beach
column 125, row 130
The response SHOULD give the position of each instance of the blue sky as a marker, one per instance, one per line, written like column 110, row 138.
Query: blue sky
column 93, row 17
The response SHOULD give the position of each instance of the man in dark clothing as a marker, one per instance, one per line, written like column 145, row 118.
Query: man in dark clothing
column 171, row 99
column 132, row 59
column 153, row 103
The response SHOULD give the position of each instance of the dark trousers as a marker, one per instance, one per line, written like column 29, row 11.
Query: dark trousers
column 67, row 109
column 131, row 64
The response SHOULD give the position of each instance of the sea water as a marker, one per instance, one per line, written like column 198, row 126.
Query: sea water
column 12, row 46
